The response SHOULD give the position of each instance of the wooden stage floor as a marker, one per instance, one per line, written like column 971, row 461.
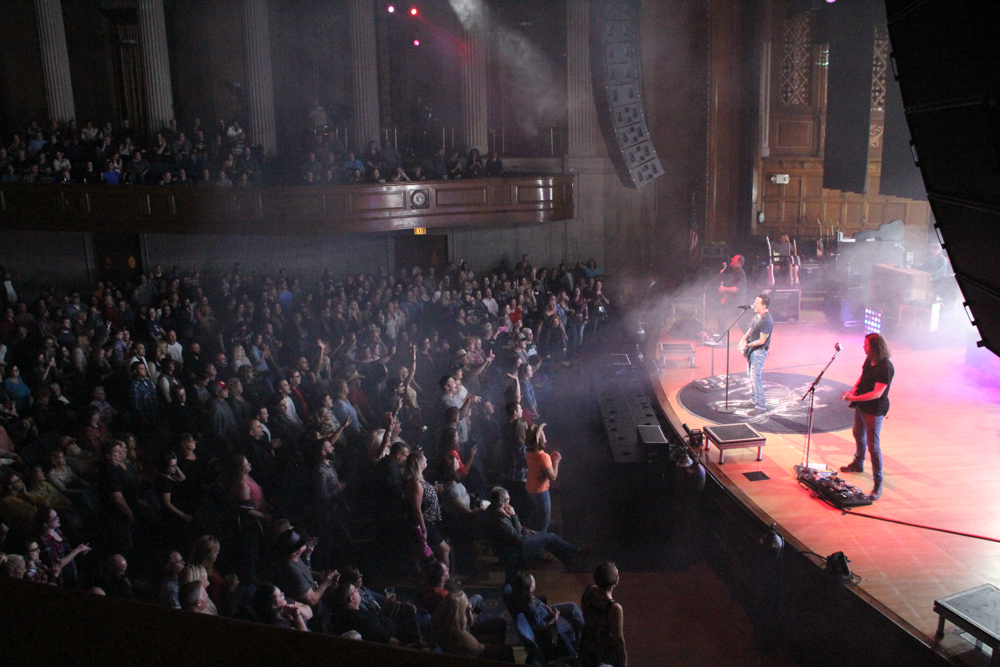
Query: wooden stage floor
column 941, row 451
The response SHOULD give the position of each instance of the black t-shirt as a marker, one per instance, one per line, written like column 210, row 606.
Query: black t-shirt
column 734, row 276
column 114, row 480
column 870, row 375
column 761, row 325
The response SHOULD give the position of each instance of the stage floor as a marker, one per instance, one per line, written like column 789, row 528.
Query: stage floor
column 941, row 452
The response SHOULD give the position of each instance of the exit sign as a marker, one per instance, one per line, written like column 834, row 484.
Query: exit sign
column 419, row 230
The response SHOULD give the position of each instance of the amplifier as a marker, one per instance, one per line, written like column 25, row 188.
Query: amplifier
column 785, row 304
column 838, row 492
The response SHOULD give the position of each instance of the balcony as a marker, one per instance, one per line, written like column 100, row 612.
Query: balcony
column 287, row 210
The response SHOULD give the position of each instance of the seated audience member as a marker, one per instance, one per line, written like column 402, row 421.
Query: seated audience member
column 293, row 573
column 192, row 596
column 37, row 571
column 199, row 575
column 403, row 614
column 474, row 164
column 515, row 544
column 348, row 615
column 557, row 625
column 452, row 631
column 271, row 608
column 168, row 595
column 494, row 165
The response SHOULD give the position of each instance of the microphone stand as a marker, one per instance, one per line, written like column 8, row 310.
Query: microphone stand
column 802, row 469
column 728, row 410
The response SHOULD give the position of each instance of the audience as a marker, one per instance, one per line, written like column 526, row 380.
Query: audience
column 214, row 414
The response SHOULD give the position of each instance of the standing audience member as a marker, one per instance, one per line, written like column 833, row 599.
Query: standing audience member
column 603, row 639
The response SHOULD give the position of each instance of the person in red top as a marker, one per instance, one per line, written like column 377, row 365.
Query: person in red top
column 543, row 469
column 95, row 433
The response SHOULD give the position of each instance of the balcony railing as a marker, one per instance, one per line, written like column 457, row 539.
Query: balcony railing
column 287, row 210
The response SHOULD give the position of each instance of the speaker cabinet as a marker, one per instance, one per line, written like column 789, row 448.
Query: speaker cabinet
column 617, row 79
column 785, row 304
column 946, row 57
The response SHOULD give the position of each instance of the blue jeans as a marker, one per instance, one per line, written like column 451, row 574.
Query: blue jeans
column 536, row 545
column 755, row 368
column 541, row 503
column 866, row 435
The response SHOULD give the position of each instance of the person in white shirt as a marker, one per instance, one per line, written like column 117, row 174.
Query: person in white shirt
column 174, row 349
column 285, row 391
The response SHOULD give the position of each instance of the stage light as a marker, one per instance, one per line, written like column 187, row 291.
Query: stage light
column 416, row 42
column 413, row 11
column 390, row 9
column 873, row 321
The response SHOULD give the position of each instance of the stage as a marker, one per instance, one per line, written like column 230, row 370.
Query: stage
column 941, row 452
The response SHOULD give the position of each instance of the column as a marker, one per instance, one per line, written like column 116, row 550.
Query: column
column 474, row 89
column 260, row 82
column 155, row 64
column 587, row 155
column 584, row 130
column 365, row 61
column 55, row 60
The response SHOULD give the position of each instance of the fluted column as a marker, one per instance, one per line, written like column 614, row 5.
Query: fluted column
column 365, row 61
column 586, row 155
column 474, row 84
column 260, row 82
column 55, row 60
column 584, row 130
column 155, row 64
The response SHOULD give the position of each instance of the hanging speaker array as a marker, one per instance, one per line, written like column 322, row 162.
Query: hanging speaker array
column 616, row 72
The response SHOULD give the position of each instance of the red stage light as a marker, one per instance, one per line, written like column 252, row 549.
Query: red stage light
column 391, row 9
column 416, row 42
column 413, row 11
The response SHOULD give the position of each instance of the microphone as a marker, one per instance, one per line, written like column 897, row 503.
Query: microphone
column 837, row 347
column 724, row 267
column 746, row 308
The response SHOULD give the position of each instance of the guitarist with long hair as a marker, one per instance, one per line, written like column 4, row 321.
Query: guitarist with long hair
column 870, row 399
column 754, row 346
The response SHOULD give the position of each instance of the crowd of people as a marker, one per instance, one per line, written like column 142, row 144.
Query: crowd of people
column 329, row 163
column 206, row 155
column 220, row 155
column 220, row 445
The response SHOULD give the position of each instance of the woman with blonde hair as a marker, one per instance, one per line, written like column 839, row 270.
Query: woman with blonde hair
column 450, row 630
column 239, row 358
column 197, row 574
column 425, row 508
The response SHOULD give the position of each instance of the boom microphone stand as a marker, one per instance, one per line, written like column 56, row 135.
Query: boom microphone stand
column 808, row 466
column 728, row 410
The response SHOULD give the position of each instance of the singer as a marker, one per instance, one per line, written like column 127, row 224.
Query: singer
column 754, row 346
column 870, row 399
column 732, row 290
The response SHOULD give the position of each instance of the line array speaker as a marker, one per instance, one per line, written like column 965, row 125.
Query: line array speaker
column 947, row 61
column 616, row 74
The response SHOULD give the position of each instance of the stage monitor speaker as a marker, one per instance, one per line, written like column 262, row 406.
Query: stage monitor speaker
column 947, row 59
column 616, row 75
column 850, row 27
